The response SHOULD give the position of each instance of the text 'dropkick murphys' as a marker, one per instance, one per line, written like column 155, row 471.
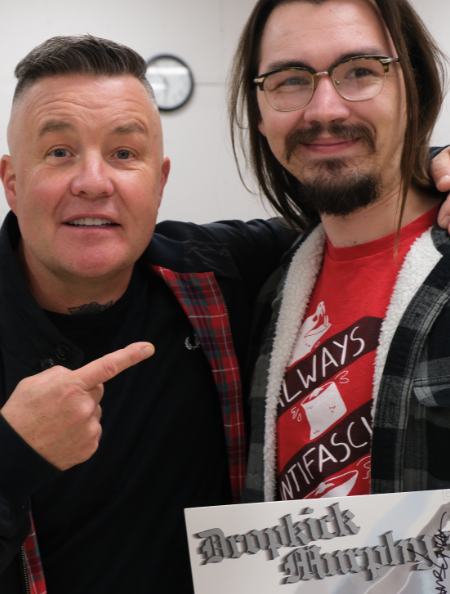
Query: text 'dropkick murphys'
column 307, row 561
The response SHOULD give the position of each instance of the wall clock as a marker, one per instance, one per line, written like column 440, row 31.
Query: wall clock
column 171, row 80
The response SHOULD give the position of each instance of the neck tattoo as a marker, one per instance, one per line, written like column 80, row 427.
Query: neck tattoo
column 89, row 308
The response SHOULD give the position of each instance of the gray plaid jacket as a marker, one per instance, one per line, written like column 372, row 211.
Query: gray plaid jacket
column 411, row 416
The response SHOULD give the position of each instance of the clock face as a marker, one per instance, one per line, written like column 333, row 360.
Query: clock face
column 171, row 80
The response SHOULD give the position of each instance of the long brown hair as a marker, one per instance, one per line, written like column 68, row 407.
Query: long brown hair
column 423, row 65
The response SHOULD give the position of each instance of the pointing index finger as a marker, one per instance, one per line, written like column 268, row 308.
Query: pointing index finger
column 103, row 369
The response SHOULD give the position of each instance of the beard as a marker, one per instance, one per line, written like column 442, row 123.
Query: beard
column 332, row 186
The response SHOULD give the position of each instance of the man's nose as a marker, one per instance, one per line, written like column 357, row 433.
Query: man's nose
column 326, row 104
column 92, row 179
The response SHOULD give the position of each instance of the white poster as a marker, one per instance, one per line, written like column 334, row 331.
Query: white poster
column 374, row 544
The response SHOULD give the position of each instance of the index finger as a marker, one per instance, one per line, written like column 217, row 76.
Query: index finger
column 103, row 369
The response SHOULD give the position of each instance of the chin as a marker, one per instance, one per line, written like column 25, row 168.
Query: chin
column 339, row 195
column 95, row 268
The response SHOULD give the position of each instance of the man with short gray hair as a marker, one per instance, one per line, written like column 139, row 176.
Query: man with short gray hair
column 83, row 278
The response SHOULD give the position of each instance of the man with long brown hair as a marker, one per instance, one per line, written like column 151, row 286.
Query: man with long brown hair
column 351, row 396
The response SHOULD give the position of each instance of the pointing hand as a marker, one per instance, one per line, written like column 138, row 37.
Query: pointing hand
column 57, row 412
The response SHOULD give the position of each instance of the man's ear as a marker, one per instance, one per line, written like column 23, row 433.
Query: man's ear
column 165, row 169
column 8, row 177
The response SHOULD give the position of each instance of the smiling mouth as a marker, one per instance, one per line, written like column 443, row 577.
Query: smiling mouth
column 330, row 142
column 91, row 222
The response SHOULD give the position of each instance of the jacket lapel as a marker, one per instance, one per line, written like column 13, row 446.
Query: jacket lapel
column 300, row 282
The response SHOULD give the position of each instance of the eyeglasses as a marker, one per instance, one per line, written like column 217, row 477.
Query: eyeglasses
column 356, row 79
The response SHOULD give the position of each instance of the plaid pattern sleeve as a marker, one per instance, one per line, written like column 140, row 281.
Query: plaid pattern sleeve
column 268, row 305
column 201, row 299
column 412, row 421
column 32, row 559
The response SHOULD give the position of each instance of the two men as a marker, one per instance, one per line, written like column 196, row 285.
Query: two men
column 82, row 277
column 351, row 393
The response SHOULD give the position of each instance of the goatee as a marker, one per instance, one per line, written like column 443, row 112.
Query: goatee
column 336, row 194
column 329, row 188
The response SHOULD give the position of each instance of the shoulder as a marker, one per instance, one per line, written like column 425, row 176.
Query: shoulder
column 231, row 232
column 253, row 246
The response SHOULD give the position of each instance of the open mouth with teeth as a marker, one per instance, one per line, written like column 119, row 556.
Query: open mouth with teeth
column 90, row 222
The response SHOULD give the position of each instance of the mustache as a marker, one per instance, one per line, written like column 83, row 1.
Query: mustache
column 341, row 131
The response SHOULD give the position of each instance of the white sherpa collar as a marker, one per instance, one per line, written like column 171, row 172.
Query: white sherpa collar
column 300, row 283
column 419, row 262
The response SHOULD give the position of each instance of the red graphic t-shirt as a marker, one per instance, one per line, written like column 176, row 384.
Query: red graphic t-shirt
column 324, row 415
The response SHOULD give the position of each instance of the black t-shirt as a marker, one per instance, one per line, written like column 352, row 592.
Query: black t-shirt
column 115, row 523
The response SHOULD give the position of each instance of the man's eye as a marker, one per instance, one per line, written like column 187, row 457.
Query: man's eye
column 124, row 154
column 295, row 81
column 360, row 73
column 59, row 153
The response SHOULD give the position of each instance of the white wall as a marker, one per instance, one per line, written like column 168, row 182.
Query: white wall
column 204, row 184
column 436, row 15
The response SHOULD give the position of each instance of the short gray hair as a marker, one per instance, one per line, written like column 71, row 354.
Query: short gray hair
column 79, row 54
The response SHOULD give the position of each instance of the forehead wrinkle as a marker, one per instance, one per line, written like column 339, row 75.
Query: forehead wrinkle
column 112, row 104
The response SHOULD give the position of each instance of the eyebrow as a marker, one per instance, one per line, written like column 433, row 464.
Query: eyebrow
column 54, row 127
column 130, row 129
column 366, row 51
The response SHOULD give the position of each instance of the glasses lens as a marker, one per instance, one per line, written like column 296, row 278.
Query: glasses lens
column 359, row 79
column 289, row 89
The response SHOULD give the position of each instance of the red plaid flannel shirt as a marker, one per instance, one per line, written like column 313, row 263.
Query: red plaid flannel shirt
column 202, row 301
column 32, row 558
